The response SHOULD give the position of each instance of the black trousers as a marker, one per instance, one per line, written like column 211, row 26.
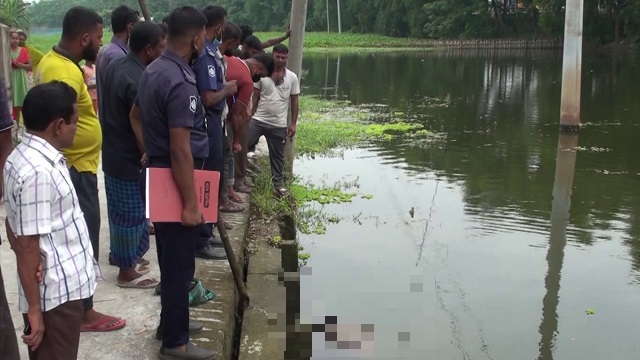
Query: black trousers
column 176, row 255
column 215, row 162
column 176, row 246
column 8, row 341
column 86, row 186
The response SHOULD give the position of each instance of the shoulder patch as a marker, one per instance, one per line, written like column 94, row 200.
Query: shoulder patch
column 212, row 71
column 193, row 102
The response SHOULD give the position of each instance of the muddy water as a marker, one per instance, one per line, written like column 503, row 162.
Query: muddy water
column 491, row 263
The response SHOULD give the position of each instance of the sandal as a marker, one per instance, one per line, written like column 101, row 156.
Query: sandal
column 143, row 262
column 136, row 283
column 242, row 188
column 236, row 199
column 142, row 269
column 108, row 323
column 230, row 207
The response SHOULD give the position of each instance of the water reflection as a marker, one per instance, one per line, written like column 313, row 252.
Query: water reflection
column 562, row 188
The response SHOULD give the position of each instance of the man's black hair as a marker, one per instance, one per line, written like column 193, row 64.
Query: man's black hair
column 79, row 20
column 165, row 20
column 252, row 42
column 21, row 32
column 123, row 16
column 47, row 102
column 266, row 61
column 246, row 32
column 280, row 48
column 185, row 21
column 231, row 32
column 144, row 34
column 164, row 27
column 215, row 15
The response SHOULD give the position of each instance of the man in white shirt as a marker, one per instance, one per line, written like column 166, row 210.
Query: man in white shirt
column 272, row 97
column 46, row 226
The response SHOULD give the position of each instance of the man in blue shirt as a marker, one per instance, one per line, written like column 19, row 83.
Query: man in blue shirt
column 213, row 90
column 174, row 131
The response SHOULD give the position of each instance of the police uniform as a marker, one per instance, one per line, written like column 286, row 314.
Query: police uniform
column 209, row 77
column 170, row 99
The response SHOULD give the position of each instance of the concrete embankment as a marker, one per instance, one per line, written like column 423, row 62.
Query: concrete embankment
column 141, row 308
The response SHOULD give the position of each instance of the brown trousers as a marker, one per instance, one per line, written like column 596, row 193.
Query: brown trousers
column 61, row 332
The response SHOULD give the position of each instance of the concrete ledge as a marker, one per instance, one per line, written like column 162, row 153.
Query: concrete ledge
column 141, row 308
column 263, row 328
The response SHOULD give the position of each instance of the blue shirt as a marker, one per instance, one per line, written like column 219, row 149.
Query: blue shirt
column 170, row 100
column 208, row 71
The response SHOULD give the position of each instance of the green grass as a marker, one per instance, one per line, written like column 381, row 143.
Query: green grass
column 314, row 41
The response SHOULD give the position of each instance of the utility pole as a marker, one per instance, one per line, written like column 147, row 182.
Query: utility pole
column 328, row 30
column 572, row 66
column 339, row 18
column 296, row 47
column 145, row 10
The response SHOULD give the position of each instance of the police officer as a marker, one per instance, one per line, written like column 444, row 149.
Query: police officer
column 174, row 131
column 213, row 90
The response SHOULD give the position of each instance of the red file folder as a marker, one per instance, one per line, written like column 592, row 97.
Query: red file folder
column 164, row 203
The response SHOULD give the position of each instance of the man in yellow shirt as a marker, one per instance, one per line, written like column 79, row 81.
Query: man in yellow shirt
column 81, row 39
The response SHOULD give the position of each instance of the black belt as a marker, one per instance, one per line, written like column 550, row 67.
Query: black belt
column 165, row 162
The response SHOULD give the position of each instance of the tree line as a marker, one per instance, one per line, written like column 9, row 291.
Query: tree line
column 606, row 21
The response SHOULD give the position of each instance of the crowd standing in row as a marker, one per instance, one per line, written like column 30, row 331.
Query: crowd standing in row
column 192, row 93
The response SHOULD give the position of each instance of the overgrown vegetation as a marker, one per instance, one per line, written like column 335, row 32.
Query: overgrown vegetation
column 327, row 127
column 312, row 41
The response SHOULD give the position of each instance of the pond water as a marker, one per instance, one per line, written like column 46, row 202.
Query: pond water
column 464, row 252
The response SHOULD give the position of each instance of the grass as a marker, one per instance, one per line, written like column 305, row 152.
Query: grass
column 315, row 41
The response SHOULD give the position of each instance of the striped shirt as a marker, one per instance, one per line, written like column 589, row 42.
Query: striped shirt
column 40, row 200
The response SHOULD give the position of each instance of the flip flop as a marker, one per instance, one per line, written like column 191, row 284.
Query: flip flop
column 108, row 323
column 236, row 199
column 231, row 208
column 143, row 262
column 141, row 271
column 133, row 284
column 242, row 188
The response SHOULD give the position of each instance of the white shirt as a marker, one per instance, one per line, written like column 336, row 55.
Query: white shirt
column 41, row 200
column 274, row 100
column 223, row 62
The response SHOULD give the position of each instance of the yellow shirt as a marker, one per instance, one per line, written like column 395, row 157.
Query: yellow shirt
column 84, row 154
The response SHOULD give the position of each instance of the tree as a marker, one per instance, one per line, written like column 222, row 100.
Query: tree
column 13, row 13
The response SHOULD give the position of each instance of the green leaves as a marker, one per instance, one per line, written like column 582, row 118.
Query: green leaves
column 14, row 13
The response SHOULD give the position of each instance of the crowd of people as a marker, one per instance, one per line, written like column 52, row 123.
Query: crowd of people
column 194, row 92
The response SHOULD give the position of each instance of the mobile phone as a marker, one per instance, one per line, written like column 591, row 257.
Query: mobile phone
column 27, row 328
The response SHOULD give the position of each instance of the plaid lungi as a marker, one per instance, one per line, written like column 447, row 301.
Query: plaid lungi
column 128, row 227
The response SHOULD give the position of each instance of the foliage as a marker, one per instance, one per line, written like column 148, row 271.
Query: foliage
column 327, row 126
column 313, row 41
column 14, row 13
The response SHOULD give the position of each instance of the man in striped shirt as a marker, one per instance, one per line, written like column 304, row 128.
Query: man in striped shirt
column 50, row 231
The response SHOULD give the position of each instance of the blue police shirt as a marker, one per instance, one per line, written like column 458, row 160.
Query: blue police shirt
column 208, row 72
column 168, row 98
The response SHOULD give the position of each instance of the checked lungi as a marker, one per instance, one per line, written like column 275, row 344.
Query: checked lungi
column 128, row 227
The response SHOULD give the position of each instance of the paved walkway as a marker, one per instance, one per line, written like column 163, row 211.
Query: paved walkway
column 141, row 308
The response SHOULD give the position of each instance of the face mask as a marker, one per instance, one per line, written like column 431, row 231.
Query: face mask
column 216, row 42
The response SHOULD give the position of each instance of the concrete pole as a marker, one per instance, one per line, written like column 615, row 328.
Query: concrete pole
column 560, row 207
column 572, row 66
column 296, row 47
column 328, row 29
column 145, row 10
column 339, row 19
